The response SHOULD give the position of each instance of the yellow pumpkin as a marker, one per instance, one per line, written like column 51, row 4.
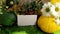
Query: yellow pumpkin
column 47, row 24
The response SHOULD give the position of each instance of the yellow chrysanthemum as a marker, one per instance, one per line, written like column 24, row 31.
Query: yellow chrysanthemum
column 58, row 0
column 55, row 1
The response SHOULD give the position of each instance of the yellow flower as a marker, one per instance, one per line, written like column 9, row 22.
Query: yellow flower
column 58, row 0
column 55, row 1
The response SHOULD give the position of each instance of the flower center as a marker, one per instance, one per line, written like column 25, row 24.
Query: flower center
column 47, row 9
column 56, row 9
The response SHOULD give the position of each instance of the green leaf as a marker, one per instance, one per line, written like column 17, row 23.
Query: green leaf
column 15, row 1
column 1, row 11
column 7, row 19
column 21, row 32
column 57, row 32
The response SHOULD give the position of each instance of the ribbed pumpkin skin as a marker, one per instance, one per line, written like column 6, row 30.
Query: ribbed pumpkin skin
column 47, row 24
